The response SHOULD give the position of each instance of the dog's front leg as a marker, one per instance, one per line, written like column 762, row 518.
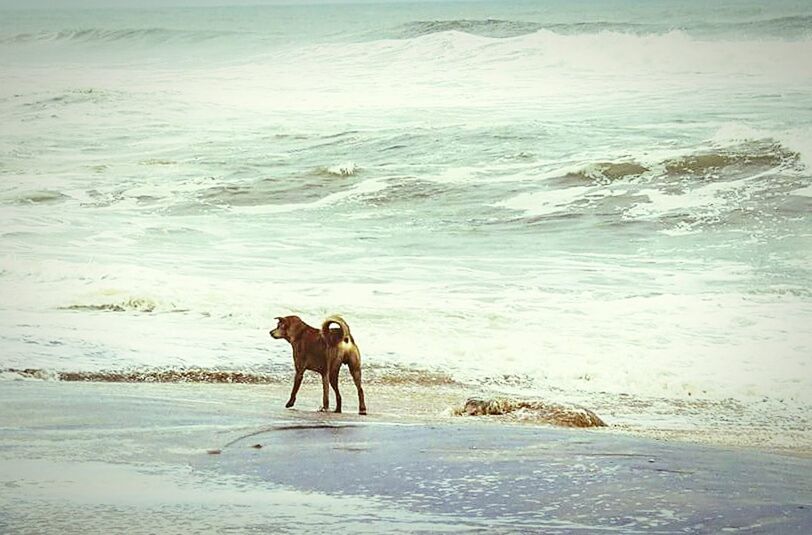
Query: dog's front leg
column 325, row 402
column 297, row 382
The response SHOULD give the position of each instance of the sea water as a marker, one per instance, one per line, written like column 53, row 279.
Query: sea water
column 593, row 197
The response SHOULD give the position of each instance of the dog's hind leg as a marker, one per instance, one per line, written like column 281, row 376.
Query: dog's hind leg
column 355, row 370
column 325, row 384
column 297, row 382
column 334, row 383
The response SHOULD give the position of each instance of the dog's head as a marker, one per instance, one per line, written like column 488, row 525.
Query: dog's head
column 287, row 328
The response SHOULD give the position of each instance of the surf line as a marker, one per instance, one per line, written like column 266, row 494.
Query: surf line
column 290, row 427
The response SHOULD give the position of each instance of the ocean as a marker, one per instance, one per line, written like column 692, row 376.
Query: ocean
column 562, row 199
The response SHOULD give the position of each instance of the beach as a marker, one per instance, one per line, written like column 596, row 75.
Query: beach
column 194, row 458
column 532, row 215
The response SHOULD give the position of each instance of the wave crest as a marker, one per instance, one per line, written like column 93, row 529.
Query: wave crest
column 341, row 169
column 133, row 304
column 93, row 35
column 748, row 157
column 737, row 184
column 40, row 197
column 373, row 374
column 605, row 172
column 485, row 28
column 783, row 27
column 756, row 155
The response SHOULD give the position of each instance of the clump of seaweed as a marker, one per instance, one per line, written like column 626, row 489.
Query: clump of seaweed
column 535, row 410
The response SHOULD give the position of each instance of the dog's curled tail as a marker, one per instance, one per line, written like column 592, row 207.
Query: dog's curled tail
column 330, row 338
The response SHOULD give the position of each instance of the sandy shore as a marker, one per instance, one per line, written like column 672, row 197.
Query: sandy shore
column 134, row 458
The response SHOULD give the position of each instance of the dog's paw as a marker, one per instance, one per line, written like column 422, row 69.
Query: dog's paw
column 362, row 412
column 337, row 410
column 324, row 409
column 289, row 404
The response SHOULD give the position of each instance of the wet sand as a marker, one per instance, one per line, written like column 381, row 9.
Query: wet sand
column 111, row 457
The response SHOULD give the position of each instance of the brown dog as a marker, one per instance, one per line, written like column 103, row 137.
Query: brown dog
column 323, row 351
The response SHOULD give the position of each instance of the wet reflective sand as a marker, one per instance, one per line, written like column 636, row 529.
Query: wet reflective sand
column 91, row 458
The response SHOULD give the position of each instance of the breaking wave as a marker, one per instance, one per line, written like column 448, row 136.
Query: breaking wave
column 103, row 35
column 733, row 184
column 786, row 27
column 485, row 28
column 783, row 27
column 134, row 304
column 342, row 169
column 750, row 157
column 39, row 197
column 381, row 375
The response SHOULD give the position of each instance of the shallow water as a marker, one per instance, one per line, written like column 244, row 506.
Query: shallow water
column 608, row 199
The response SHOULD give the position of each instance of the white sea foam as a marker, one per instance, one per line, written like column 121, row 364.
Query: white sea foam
column 343, row 169
column 362, row 188
column 546, row 202
column 795, row 139
column 545, row 67
column 451, row 194
column 711, row 345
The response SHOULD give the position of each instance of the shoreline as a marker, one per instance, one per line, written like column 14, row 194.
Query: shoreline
column 771, row 426
column 94, row 457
